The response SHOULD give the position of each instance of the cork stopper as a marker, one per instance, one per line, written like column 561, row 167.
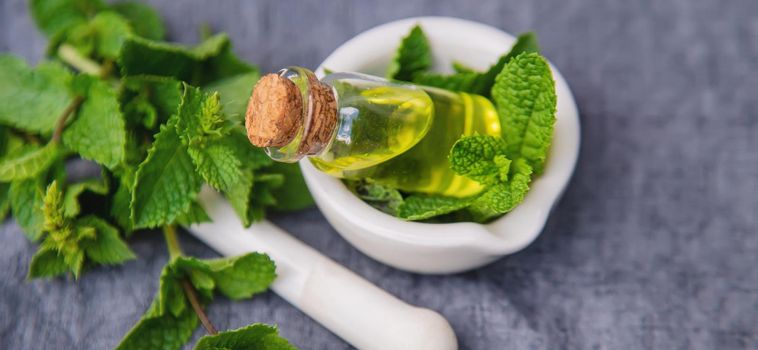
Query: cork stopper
column 276, row 113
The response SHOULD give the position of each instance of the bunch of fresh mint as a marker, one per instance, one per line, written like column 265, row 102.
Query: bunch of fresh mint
column 521, row 86
column 159, row 120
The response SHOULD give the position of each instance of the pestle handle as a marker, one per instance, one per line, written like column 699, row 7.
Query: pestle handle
column 354, row 309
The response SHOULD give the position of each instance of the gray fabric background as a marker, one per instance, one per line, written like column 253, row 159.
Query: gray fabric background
column 653, row 246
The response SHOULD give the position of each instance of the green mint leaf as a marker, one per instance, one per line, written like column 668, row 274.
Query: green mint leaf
column 456, row 82
column 199, row 117
column 209, row 61
column 165, row 331
column 5, row 201
column 163, row 93
column 236, row 277
column 480, row 158
column 239, row 197
column 467, row 80
column 29, row 163
column 62, row 236
column 235, row 91
column 252, row 157
column 166, row 182
column 56, row 16
column 421, row 207
column 526, row 42
column 100, row 37
column 262, row 195
column 252, row 337
column 47, row 263
column 502, row 197
column 217, row 164
column 71, row 207
column 32, row 99
column 121, row 200
column 201, row 127
column 384, row 198
column 293, row 194
column 145, row 21
column 460, row 67
column 169, row 321
column 242, row 276
column 412, row 57
column 524, row 93
column 99, row 131
column 26, row 197
column 107, row 248
column 483, row 159
column 195, row 215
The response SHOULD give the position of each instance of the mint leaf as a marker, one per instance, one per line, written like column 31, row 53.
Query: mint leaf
column 480, row 158
column 502, row 197
column 199, row 117
column 242, row 276
column 460, row 67
column 32, row 99
column 293, row 194
column 525, row 97
column 169, row 321
column 163, row 93
column 100, row 37
column 5, row 202
column 61, row 235
column 209, row 61
column 71, row 207
column 217, row 164
column 526, row 42
column 99, row 131
column 455, row 82
column 384, row 198
column 483, row 159
column 26, row 197
column 262, row 195
column 235, row 91
column 251, row 157
column 107, row 248
column 412, row 57
column 239, row 196
column 120, row 209
column 145, row 21
column 421, row 207
column 201, row 127
column 166, row 182
column 164, row 331
column 29, row 163
column 195, row 215
column 47, row 263
column 56, row 16
column 236, row 277
column 467, row 80
column 256, row 336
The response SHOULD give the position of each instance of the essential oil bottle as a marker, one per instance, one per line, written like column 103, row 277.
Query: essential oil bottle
column 356, row 126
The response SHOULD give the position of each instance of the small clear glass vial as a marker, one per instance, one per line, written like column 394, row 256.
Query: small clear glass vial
column 356, row 126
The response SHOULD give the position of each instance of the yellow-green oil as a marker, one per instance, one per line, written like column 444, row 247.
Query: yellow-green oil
column 401, row 137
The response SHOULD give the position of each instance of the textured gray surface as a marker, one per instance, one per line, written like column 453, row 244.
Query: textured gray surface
column 655, row 244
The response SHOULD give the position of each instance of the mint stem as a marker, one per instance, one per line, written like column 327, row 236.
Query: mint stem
column 172, row 242
column 175, row 251
column 61, row 123
column 192, row 296
column 68, row 54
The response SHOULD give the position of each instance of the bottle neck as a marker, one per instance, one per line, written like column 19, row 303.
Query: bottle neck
column 318, row 117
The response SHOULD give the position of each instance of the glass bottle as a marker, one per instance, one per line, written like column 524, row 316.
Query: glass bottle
column 356, row 126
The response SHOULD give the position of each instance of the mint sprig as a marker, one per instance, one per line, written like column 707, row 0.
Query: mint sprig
column 160, row 120
column 521, row 86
